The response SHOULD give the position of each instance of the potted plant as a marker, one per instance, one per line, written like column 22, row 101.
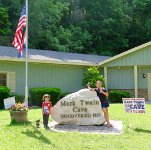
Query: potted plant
column 19, row 112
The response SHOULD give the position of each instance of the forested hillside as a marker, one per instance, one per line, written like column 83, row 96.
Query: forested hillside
column 104, row 27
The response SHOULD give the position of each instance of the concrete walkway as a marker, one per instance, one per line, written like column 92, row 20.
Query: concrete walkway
column 116, row 129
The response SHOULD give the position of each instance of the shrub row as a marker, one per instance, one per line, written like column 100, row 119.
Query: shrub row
column 36, row 95
column 4, row 93
column 18, row 98
column 62, row 95
column 116, row 96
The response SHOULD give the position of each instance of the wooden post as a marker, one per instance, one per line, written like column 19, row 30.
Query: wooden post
column 105, row 76
column 135, row 82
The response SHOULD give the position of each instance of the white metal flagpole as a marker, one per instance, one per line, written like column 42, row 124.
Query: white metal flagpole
column 26, row 74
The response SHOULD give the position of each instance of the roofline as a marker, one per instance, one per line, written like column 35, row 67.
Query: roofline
column 125, row 53
column 47, row 62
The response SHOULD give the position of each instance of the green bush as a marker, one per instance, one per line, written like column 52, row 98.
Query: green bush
column 62, row 95
column 4, row 93
column 91, row 76
column 36, row 95
column 116, row 96
column 18, row 98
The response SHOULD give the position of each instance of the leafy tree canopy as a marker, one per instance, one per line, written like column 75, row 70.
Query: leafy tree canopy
column 103, row 27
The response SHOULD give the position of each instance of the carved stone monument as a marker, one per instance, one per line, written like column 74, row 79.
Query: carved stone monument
column 80, row 108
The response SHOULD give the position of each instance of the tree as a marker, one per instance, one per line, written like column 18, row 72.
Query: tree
column 74, row 39
column 44, row 23
column 4, row 25
column 91, row 76
column 103, row 27
column 140, row 29
column 108, row 23
column 4, row 22
column 13, row 10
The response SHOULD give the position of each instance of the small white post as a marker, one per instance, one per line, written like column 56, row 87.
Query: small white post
column 135, row 82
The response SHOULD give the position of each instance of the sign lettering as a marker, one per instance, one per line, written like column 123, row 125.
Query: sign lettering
column 134, row 105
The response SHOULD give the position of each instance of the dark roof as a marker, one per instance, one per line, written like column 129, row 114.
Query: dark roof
column 48, row 55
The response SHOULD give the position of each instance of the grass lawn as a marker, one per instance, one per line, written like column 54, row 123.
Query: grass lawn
column 136, row 135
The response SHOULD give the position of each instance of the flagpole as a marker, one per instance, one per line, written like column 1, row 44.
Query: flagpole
column 26, row 74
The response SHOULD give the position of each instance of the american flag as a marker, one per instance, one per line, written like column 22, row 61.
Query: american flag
column 20, row 35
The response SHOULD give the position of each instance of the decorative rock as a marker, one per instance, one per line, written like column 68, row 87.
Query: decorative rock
column 79, row 108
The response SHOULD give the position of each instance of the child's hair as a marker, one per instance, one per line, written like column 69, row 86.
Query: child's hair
column 99, row 81
column 46, row 95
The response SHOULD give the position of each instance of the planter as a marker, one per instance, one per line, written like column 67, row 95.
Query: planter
column 19, row 116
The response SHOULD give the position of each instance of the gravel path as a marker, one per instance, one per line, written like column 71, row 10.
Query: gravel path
column 116, row 129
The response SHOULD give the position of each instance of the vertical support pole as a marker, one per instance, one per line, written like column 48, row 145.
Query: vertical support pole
column 135, row 82
column 26, row 63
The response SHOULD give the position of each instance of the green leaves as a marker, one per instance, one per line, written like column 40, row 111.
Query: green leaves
column 4, row 21
column 104, row 27
column 92, row 75
column 140, row 30
column 4, row 93
column 37, row 94
column 44, row 23
column 5, row 26
column 116, row 96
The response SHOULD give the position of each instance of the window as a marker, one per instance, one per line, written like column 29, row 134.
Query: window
column 3, row 79
column 8, row 79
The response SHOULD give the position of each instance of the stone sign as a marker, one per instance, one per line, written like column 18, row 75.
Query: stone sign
column 80, row 108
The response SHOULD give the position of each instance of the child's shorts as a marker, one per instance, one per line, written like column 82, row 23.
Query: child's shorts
column 104, row 104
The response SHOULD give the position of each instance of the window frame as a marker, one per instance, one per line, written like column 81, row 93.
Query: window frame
column 7, row 77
